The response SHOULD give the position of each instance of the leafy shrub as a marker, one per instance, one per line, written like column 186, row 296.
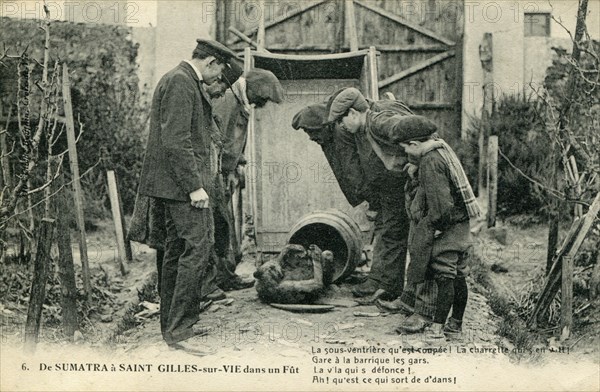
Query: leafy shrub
column 105, row 95
column 579, row 103
column 522, row 140
column 467, row 150
column 526, row 130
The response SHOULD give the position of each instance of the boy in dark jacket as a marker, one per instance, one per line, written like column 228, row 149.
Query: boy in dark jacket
column 439, row 203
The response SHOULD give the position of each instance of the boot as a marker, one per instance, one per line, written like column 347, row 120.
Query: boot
column 394, row 307
column 193, row 347
column 434, row 333
column 379, row 294
column 365, row 289
column 236, row 283
column 216, row 295
column 453, row 328
column 415, row 323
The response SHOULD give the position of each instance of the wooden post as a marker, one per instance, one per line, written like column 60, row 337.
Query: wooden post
column 340, row 36
column 595, row 280
column 351, row 22
column 492, row 180
column 234, row 238
column 566, row 305
column 243, row 37
column 571, row 90
column 253, row 171
column 4, row 154
column 552, row 242
column 30, row 207
column 222, row 21
column 571, row 244
column 486, row 58
column 66, row 269
column 128, row 250
column 578, row 211
column 553, row 275
column 566, row 302
column 38, row 285
column 6, row 174
column 113, row 194
column 239, row 215
column 78, row 194
column 373, row 77
column 237, row 205
column 554, row 212
column 260, row 35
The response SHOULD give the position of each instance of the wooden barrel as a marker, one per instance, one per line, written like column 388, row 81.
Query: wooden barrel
column 331, row 230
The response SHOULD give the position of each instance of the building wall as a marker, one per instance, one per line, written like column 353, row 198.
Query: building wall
column 538, row 57
column 518, row 60
column 146, row 59
column 140, row 16
column 179, row 24
column 508, row 44
column 167, row 30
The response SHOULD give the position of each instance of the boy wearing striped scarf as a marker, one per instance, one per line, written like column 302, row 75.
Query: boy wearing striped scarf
column 439, row 203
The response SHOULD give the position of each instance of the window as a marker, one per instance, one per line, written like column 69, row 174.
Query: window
column 537, row 25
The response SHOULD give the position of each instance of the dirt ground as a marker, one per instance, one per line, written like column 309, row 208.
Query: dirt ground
column 247, row 325
column 247, row 332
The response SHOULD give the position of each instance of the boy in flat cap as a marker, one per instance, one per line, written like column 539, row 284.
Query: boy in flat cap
column 179, row 173
column 382, row 185
column 254, row 89
column 439, row 203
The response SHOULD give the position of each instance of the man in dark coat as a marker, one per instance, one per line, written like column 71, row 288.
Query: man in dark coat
column 254, row 89
column 180, row 168
column 231, row 119
column 381, row 184
column 312, row 119
column 147, row 225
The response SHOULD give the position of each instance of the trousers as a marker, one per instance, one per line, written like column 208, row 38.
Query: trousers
column 225, row 242
column 187, row 260
column 433, row 297
column 391, row 237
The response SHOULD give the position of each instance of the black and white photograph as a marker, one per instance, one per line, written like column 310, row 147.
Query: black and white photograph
column 299, row 195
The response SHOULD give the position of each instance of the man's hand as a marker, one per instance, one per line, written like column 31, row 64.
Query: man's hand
column 231, row 181
column 371, row 215
column 199, row 198
column 411, row 169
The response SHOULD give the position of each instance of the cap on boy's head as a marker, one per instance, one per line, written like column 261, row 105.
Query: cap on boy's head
column 263, row 84
column 312, row 117
column 349, row 98
column 232, row 73
column 210, row 47
column 409, row 128
column 331, row 98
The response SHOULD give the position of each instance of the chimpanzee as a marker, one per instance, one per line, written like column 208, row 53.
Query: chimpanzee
column 296, row 276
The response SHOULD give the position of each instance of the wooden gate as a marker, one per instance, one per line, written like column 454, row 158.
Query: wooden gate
column 420, row 43
column 288, row 176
